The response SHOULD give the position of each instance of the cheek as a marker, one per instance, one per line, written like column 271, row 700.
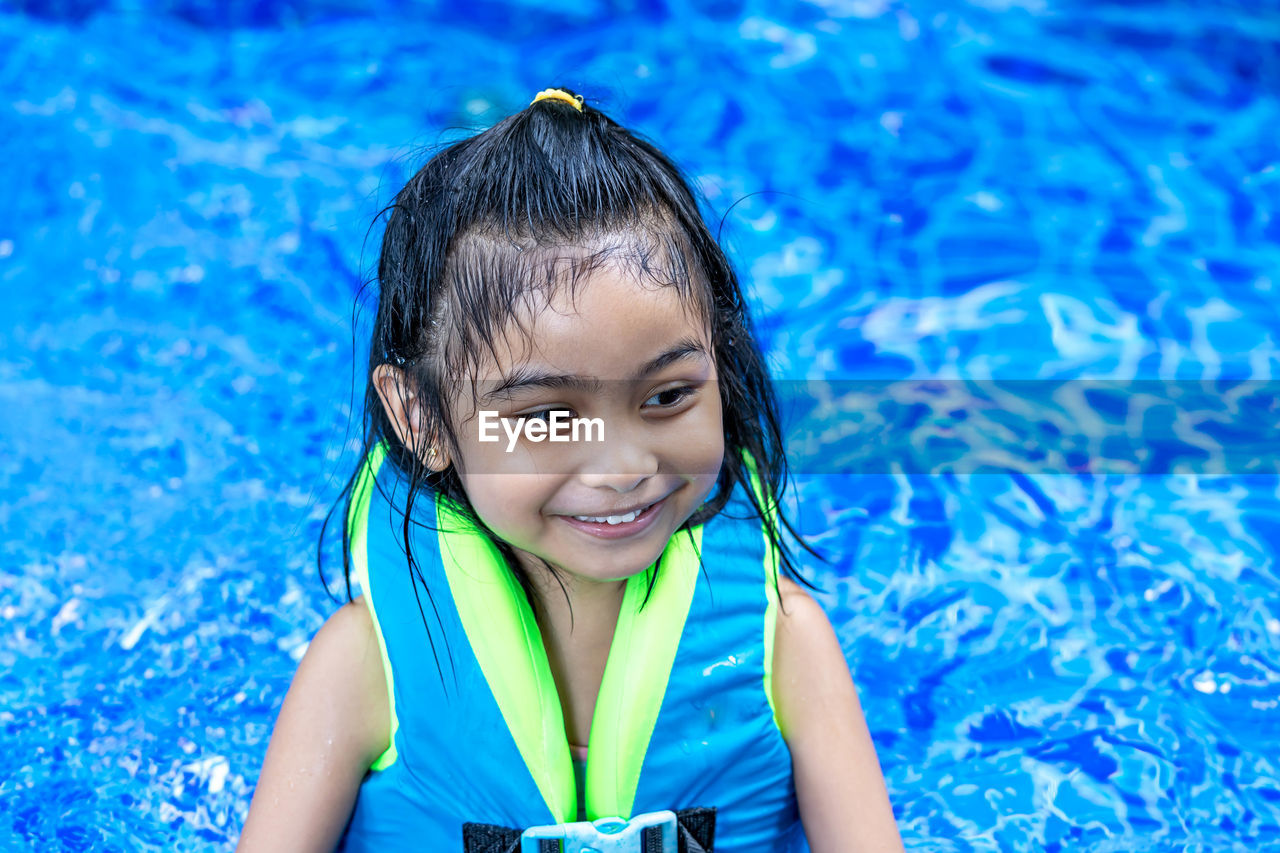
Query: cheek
column 509, row 506
column 701, row 448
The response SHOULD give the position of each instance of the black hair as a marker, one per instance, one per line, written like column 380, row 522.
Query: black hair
column 488, row 222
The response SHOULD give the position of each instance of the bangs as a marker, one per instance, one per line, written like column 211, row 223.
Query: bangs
column 496, row 282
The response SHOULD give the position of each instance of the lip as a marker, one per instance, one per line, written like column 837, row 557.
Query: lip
column 623, row 511
column 604, row 530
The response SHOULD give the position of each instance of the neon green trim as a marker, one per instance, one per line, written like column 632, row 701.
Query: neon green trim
column 508, row 646
column 771, row 563
column 770, row 624
column 357, row 528
column 636, row 675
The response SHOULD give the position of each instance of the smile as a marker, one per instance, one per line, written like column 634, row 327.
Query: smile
column 614, row 519
column 617, row 526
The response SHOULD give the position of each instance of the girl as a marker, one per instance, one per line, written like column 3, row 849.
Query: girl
column 577, row 617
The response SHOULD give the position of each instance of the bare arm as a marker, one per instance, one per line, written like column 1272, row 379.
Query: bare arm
column 843, row 802
column 334, row 723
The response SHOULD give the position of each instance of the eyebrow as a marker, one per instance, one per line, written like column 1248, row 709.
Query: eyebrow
column 524, row 379
column 684, row 348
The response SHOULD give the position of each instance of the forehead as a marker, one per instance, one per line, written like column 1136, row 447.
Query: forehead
column 600, row 325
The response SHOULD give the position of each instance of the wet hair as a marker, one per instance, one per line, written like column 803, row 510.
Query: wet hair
column 493, row 224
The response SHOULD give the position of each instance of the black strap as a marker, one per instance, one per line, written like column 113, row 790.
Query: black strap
column 696, row 830
column 488, row 838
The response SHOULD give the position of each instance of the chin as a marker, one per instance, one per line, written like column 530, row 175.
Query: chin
column 619, row 570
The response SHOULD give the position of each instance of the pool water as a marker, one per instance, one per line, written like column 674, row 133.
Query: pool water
column 1073, row 649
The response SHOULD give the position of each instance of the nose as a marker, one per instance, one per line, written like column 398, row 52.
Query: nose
column 621, row 465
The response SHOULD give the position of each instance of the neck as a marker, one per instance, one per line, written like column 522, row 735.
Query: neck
column 573, row 608
column 577, row 624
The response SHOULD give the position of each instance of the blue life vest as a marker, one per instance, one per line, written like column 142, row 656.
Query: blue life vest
column 684, row 716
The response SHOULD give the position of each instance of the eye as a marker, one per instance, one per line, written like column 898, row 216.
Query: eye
column 670, row 397
column 545, row 414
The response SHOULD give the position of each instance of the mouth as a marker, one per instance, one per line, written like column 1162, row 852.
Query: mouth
column 620, row 525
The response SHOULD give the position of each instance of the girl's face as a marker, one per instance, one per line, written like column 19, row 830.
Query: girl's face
column 634, row 357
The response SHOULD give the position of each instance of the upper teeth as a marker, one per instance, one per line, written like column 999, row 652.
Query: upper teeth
column 612, row 519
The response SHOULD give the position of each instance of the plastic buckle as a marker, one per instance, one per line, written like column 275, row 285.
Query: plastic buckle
column 606, row 835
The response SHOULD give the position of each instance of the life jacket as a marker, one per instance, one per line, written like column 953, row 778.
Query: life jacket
column 684, row 718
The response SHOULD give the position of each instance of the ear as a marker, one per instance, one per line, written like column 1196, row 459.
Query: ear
column 399, row 397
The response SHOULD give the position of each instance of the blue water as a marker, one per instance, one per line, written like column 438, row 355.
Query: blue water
column 1017, row 189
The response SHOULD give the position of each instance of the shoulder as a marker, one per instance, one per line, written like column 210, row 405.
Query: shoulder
column 802, row 627
column 345, row 637
column 340, row 691
column 335, row 721
column 808, row 662
column 839, row 786
column 349, row 626
column 798, row 606
column 345, row 659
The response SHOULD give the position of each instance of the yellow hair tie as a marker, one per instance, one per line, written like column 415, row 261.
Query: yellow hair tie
column 558, row 95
